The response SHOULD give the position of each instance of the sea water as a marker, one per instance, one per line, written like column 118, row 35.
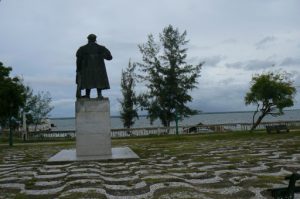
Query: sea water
column 204, row 118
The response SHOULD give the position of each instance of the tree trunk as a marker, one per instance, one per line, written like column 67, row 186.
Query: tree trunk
column 255, row 112
column 10, row 132
column 128, row 131
column 167, row 125
column 35, row 127
column 259, row 119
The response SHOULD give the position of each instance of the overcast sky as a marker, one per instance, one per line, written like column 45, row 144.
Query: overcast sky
column 236, row 39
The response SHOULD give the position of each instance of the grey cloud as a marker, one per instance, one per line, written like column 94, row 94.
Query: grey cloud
column 265, row 42
column 50, row 80
column 290, row 61
column 258, row 64
column 226, row 81
column 59, row 87
column 193, row 59
column 117, row 50
column 251, row 64
column 63, row 107
column 229, row 41
column 205, row 47
column 234, row 65
column 220, row 98
column 213, row 60
column 63, row 102
column 200, row 47
column 297, row 78
column 297, row 85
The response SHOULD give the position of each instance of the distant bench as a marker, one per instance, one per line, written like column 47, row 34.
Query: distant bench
column 277, row 128
column 289, row 191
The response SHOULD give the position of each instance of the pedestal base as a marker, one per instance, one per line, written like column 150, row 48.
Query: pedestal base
column 69, row 155
column 93, row 128
column 93, row 141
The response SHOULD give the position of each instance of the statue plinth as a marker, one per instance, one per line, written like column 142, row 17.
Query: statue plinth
column 93, row 140
column 93, row 128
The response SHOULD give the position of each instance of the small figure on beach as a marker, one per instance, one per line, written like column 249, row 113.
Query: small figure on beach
column 90, row 68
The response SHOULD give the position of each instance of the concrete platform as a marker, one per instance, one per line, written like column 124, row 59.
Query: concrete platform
column 69, row 155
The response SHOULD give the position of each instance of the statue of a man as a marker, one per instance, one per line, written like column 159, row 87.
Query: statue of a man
column 91, row 71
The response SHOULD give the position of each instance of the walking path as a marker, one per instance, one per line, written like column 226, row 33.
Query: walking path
column 175, row 169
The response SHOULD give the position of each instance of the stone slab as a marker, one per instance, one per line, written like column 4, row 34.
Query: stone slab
column 69, row 155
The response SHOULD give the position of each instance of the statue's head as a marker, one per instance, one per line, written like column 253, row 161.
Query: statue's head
column 92, row 38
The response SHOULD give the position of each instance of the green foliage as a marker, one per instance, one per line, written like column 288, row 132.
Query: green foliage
column 29, row 103
column 128, row 103
column 12, row 95
column 37, row 107
column 167, row 76
column 271, row 93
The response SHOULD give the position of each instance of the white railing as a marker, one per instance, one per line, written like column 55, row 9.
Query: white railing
column 123, row 132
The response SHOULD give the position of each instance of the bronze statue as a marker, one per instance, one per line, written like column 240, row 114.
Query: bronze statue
column 91, row 71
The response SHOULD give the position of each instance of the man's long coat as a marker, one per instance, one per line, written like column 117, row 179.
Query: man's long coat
column 91, row 71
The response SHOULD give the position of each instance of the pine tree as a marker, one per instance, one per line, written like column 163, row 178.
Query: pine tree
column 128, row 103
column 168, row 77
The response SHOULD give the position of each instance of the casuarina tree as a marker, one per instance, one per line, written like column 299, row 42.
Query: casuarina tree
column 167, row 76
column 128, row 103
column 271, row 92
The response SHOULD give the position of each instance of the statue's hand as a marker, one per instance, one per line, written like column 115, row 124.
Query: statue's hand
column 107, row 56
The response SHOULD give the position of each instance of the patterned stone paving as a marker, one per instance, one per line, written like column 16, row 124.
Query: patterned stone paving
column 187, row 168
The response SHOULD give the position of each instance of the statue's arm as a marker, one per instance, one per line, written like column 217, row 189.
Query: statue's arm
column 78, row 61
column 78, row 65
column 107, row 54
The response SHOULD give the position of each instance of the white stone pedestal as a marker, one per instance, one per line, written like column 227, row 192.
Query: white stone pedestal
column 92, row 128
column 93, row 141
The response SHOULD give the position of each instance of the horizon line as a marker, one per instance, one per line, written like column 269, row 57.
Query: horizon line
column 216, row 112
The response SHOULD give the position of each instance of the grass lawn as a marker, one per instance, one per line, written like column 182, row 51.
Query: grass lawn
column 224, row 165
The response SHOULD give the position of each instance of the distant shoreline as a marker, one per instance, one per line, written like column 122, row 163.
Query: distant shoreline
column 201, row 113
